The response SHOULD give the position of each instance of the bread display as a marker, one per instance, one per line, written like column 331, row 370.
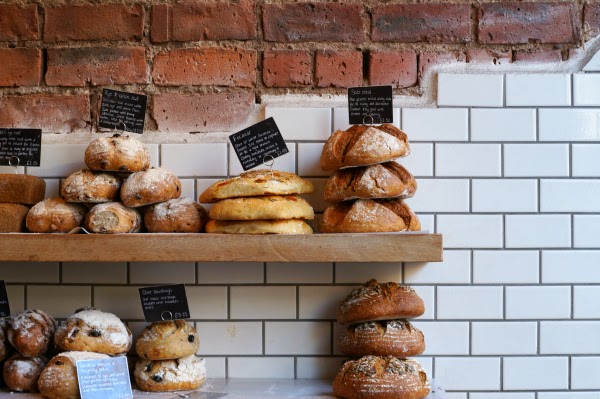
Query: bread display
column 292, row 226
column 117, row 153
column 180, row 215
column 21, row 373
column 170, row 375
column 171, row 339
column 113, row 218
column 31, row 332
column 396, row 338
column 149, row 187
column 55, row 215
column 90, row 187
column 262, row 208
column 12, row 218
column 21, row 189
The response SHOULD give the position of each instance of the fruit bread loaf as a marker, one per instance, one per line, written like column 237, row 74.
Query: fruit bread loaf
column 117, row 153
column 113, row 218
column 171, row 339
column 12, row 218
column 55, row 215
column 90, row 187
column 149, row 187
column 21, row 373
column 182, row 374
column 31, row 332
column 21, row 189
column 179, row 215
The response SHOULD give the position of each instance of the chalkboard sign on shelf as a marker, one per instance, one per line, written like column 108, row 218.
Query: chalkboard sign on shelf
column 104, row 378
column 4, row 305
column 164, row 302
column 370, row 105
column 258, row 144
column 21, row 147
column 120, row 110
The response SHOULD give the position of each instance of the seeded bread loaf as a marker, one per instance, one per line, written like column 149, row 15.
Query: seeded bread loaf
column 262, row 208
column 90, row 187
column 113, row 218
column 180, row 215
column 396, row 338
column 149, row 187
column 21, row 189
column 12, row 218
column 55, row 215
column 170, row 375
column 171, row 339
column 291, row 226
column 117, row 153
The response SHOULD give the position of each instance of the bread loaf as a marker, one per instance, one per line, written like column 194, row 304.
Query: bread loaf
column 149, row 187
column 21, row 189
column 21, row 373
column 90, row 187
column 262, row 208
column 396, row 338
column 12, row 218
column 113, row 218
column 171, row 339
column 180, row 215
column 5, row 347
column 170, row 375
column 55, row 215
column 31, row 332
column 117, row 153
column 291, row 226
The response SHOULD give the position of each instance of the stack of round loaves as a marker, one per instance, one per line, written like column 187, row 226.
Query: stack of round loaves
column 17, row 194
column 367, row 186
column 168, row 358
column 379, row 333
column 259, row 202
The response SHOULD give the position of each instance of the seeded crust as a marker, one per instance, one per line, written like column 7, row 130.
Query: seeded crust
column 31, row 332
column 262, row 208
column 21, row 189
column 90, row 187
column 374, row 301
column 55, row 215
column 182, row 374
column 292, row 226
column 167, row 340
column 396, row 338
column 12, row 218
column 117, row 153
column 149, row 187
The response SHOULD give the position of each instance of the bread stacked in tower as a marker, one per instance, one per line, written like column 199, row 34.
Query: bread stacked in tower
column 259, row 202
column 17, row 194
column 379, row 333
column 367, row 186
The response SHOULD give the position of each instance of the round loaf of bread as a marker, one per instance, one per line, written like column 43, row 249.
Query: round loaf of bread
column 396, row 338
column 374, row 301
column 167, row 340
column 31, row 332
column 4, row 344
column 170, row 375
column 180, row 215
column 373, row 377
column 369, row 216
column 59, row 379
column 21, row 373
column 292, row 226
column 93, row 331
column 387, row 180
column 90, row 187
column 255, row 183
column 117, row 153
column 149, row 187
column 262, row 208
column 55, row 215
column 113, row 218
column 362, row 145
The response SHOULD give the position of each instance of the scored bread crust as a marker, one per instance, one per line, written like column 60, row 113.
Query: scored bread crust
column 21, row 189
column 262, row 208
column 387, row 180
column 291, row 226
column 113, row 218
column 55, row 215
column 90, row 187
column 256, row 183
column 163, row 340
column 117, row 153
column 396, row 338
column 149, row 187
column 179, row 215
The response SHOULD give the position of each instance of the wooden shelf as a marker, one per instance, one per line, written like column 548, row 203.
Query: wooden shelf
column 380, row 247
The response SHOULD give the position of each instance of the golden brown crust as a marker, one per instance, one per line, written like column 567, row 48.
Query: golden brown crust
column 396, row 338
column 149, row 187
column 113, row 218
column 21, row 373
column 292, row 226
column 31, row 332
column 21, row 189
column 180, row 215
column 12, row 218
column 170, row 375
column 262, row 208
column 167, row 340
column 117, row 153
column 90, row 187
column 55, row 215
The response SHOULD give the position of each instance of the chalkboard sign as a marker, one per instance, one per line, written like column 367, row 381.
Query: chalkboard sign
column 25, row 144
column 104, row 378
column 256, row 144
column 122, row 111
column 370, row 105
column 164, row 302
column 4, row 305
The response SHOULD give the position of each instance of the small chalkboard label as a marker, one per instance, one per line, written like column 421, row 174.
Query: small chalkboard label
column 370, row 105
column 104, row 378
column 20, row 146
column 258, row 144
column 120, row 110
column 164, row 302
column 4, row 305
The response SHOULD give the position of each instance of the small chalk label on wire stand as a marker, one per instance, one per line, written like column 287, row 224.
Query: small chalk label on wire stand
column 4, row 305
column 124, row 111
column 370, row 105
column 104, row 378
column 258, row 143
column 164, row 302
column 20, row 147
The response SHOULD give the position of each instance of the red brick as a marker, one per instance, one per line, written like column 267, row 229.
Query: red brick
column 431, row 22
column 219, row 112
column 287, row 68
column 430, row 59
column 161, row 23
column 514, row 23
column 591, row 12
column 94, row 22
column 398, row 69
column 313, row 22
column 96, row 65
column 20, row 66
column 205, row 66
column 496, row 57
column 339, row 68
column 52, row 113
column 538, row 55
column 18, row 22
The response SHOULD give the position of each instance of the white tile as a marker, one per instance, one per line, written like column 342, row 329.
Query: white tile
column 16, row 296
column 94, row 273
column 563, row 267
column 470, row 90
column 585, row 302
column 427, row 222
column 569, row 195
column 263, row 302
column 454, row 269
column 586, row 89
column 464, row 373
column 569, row 395
column 321, row 302
column 60, row 160
column 466, row 160
column 444, row 338
column 538, row 302
column 538, row 231
column 503, row 124
column 440, row 195
column 230, row 272
column 585, row 372
column 58, row 301
column 29, row 272
column 188, row 189
column 299, row 273
column 502, row 395
column 426, row 363
column 539, row 373
column 505, row 195
column 122, row 301
column 359, row 273
column 536, row 160
column 504, row 338
column 154, row 150
column 319, row 367
column 420, row 160
column 586, row 160
column 427, row 294
column 456, row 395
column 444, row 124
column 569, row 337
column 312, row 124
column 471, row 231
column 230, row 338
column 7, row 169
column 309, row 158
column 569, row 124
column 162, row 273
column 340, row 118
column 261, row 367
column 593, row 64
column 207, row 302
column 469, row 302
column 195, row 159
column 316, row 199
column 297, row 338
column 506, row 267
column 286, row 163
column 535, row 89
column 52, row 188
column 215, row 367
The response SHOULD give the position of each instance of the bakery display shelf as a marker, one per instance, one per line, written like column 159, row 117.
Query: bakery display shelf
column 379, row 247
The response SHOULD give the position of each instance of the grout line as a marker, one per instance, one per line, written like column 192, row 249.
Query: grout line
column 264, row 339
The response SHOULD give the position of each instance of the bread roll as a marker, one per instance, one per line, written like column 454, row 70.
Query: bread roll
column 164, row 340
column 180, row 215
column 396, row 338
column 170, row 375
column 31, row 332
column 262, row 208
column 292, row 226
column 149, row 187
column 117, row 153
column 21, row 189
column 90, row 187
column 21, row 373
column 113, row 218
column 55, row 215
column 5, row 347
column 12, row 218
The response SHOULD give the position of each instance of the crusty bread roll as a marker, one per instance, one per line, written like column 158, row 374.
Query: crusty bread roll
column 31, row 332
column 12, row 218
column 5, row 347
column 396, row 338
column 21, row 189
column 374, row 301
column 164, row 340
column 262, row 208
column 117, row 153
column 90, row 187
column 149, row 187
column 373, row 377
column 55, row 215
column 170, row 375
column 362, row 145
column 387, row 180
column 179, row 215
column 369, row 216
column 113, row 218
column 21, row 373
column 291, row 226
column 256, row 183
